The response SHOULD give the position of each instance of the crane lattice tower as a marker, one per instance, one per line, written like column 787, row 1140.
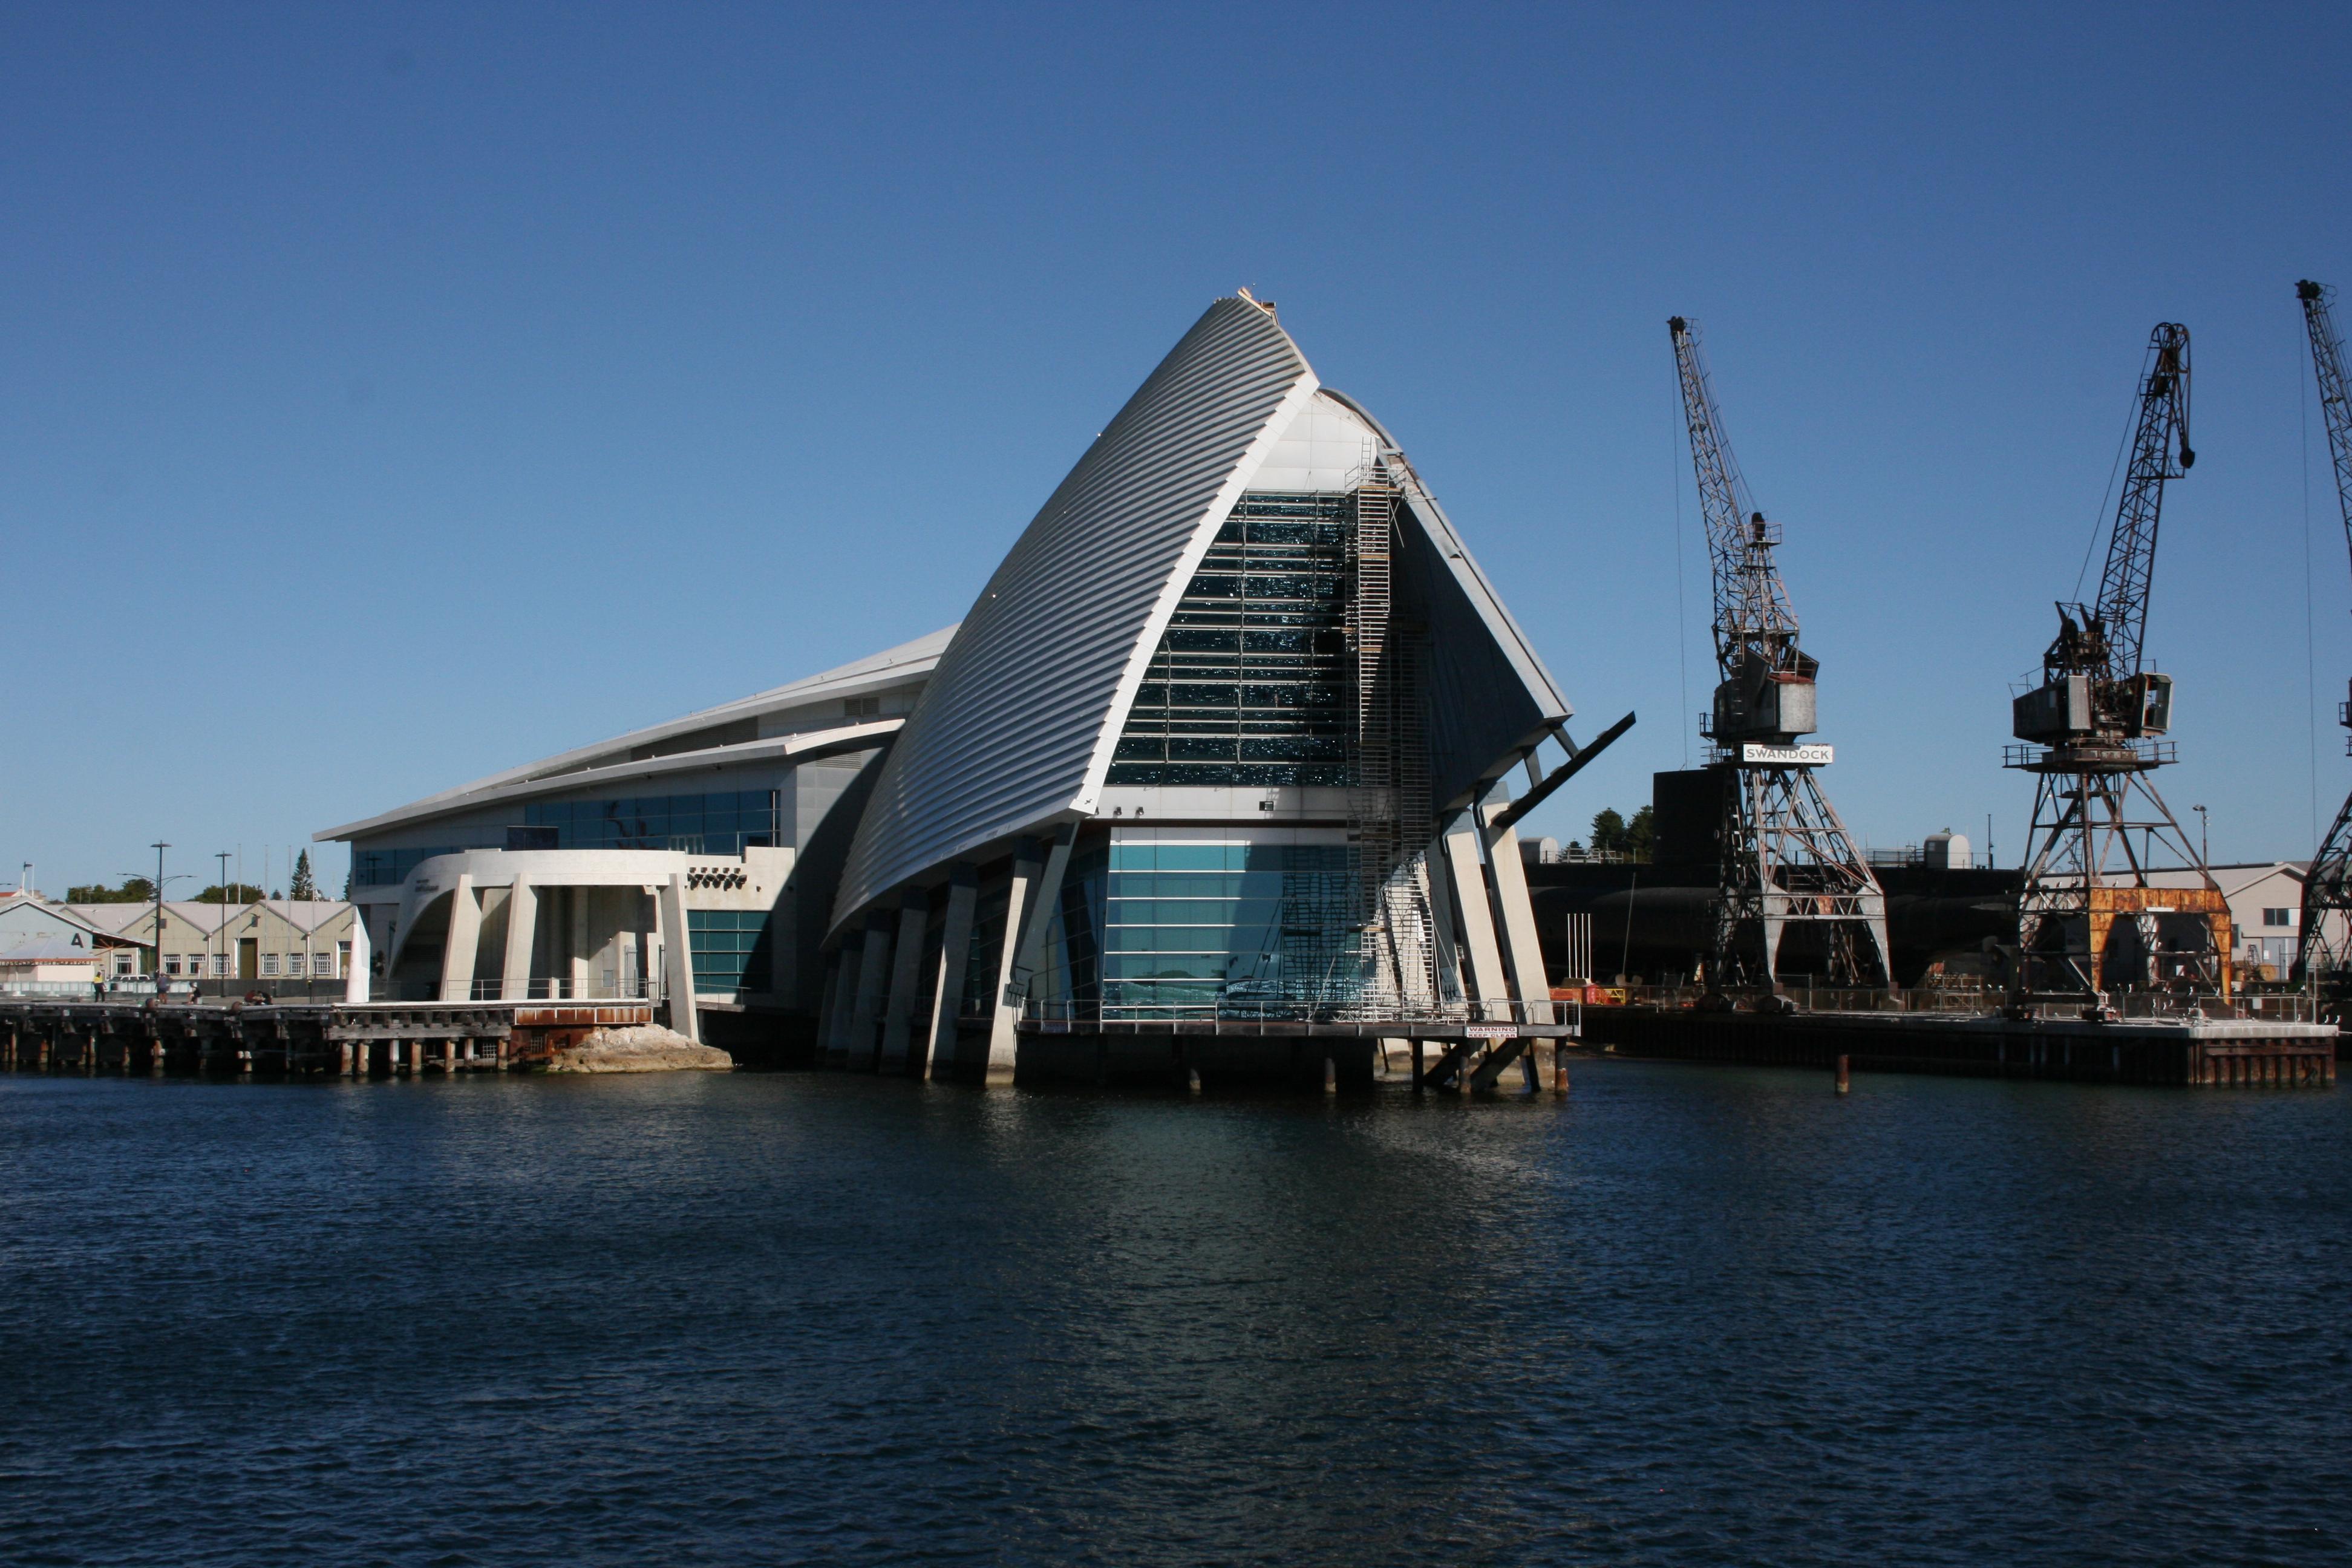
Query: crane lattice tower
column 1785, row 858
column 2324, row 945
column 2090, row 917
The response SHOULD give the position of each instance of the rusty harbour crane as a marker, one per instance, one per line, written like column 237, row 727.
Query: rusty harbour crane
column 1785, row 860
column 2091, row 920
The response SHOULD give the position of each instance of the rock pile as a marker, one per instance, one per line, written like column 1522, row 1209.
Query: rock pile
column 639, row 1047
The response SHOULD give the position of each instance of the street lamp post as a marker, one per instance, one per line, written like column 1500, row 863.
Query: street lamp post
column 162, row 881
column 220, row 930
column 159, row 847
column 2204, row 850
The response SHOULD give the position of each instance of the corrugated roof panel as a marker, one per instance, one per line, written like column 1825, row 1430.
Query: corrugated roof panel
column 1031, row 691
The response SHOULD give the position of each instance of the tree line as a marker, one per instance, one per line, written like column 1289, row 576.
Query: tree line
column 141, row 889
column 1612, row 834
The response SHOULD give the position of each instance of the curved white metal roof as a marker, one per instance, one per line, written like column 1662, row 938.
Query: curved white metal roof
column 1017, row 725
column 1018, row 722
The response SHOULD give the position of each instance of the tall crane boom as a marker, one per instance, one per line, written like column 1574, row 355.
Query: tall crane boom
column 2324, row 944
column 2090, row 918
column 1751, row 606
column 2131, row 548
column 1785, row 860
column 2093, row 687
column 2334, row 397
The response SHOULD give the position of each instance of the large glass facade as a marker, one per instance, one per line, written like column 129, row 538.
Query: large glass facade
column 1176, row 922
column 719, row 822
column 733, row 950
column 1250, row 685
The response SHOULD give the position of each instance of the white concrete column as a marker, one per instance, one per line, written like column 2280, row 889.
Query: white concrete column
column 677, row 959
column 873, row 991
column 1471, row 906
column 575, row 906
column 906, row 979
column 1522, row 948
column 355, row 976
column 1041, row 910
column 464, row 933
column 522, row 926
column 938, row 1040
column 1004, row 1005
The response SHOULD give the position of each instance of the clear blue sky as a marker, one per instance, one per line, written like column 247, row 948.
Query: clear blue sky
column 392, row 394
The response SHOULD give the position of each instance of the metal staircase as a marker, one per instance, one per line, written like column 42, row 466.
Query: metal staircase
column 1387, row 794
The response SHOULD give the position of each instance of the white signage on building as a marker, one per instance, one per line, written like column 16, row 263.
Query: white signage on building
column 1492, row 1031
column 1787, row 756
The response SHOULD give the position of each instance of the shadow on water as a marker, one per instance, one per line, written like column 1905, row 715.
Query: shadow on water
column 1689, row 1314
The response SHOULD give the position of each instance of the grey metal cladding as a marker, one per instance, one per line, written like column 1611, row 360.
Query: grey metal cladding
column 1003, row 735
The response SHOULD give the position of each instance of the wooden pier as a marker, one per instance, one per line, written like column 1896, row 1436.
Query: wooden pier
column 298, row 1039
column 2180, row 1053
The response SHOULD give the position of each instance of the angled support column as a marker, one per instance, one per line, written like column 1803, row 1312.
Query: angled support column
column 1505, row 1053
column 905, row 979
column 1522, row 948
column 1472, row 906
column 936, row 1045
column 465, row 934
column 1033, row 945
column 841, row 998
column 522, row 926
column 873, row 984
column 677, row 959
column 1012, row 980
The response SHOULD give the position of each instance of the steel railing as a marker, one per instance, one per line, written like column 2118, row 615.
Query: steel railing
column 1976, row 1000
column 1255, row 1013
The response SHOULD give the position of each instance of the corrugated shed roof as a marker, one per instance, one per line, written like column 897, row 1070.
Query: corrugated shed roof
column 103, row 920
column 112, row 918
column 1030, row 694
column 49, row 950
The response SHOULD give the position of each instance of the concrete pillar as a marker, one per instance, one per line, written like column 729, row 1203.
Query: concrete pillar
column 1004, row 1007
column 465, row 932
column 677, row 959
column 953, row 955
column 1471, row 905
column 1522, row 948
column 523, row 927
column 575, row 906
column 905, row 979
column 355, row 978
column 873, row 991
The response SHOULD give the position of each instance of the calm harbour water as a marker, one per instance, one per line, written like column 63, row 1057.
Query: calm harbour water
column 1693, row 1316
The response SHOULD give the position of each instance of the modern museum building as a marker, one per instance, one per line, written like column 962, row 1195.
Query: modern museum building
column 1211, row 779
